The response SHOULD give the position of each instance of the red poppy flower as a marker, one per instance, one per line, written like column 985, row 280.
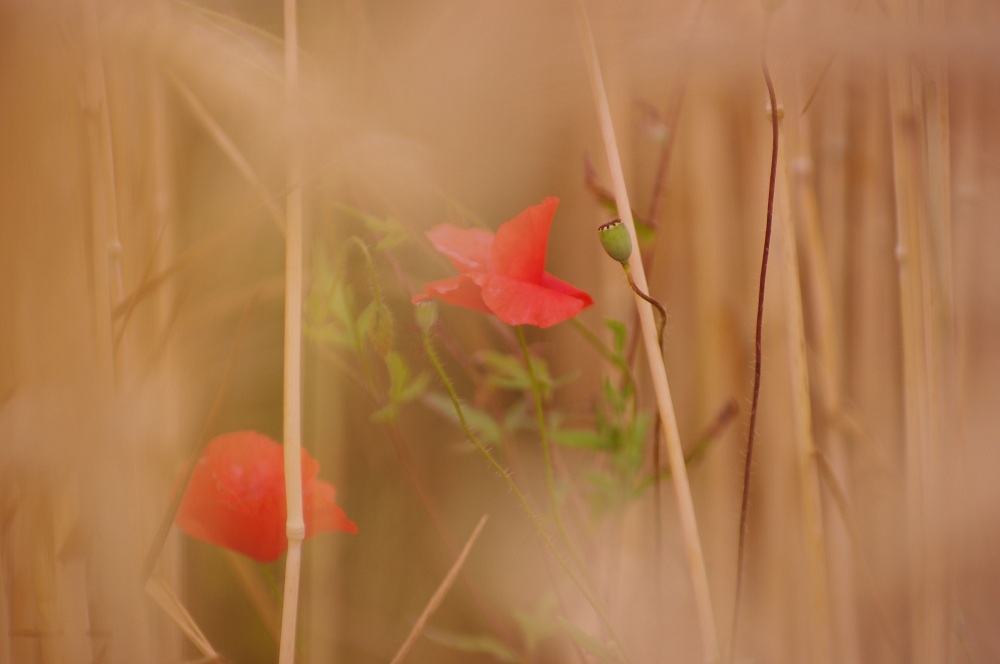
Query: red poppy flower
column 236, row 497
column 505, row 274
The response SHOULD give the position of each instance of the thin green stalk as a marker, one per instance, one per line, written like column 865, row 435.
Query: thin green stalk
column 596, row 342
column 662, row 321
column 502, row 472
column 543, row 430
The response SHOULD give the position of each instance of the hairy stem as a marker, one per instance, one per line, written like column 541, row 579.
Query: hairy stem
column 502, row 472
column 662, row 320
column 543, row 430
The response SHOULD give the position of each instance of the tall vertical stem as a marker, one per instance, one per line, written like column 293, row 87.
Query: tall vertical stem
column 293, row 345
column 758, row 338
column 543, row 433
column 675, row 452
column 921, row 354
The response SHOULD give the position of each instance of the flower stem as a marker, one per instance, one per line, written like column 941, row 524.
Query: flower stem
column 751, row 434
column 659, row 307
column 543, row 430
column 610, row 356
column 661, row 387
column 502, row 472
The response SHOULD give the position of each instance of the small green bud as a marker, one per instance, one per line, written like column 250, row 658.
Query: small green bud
column 426, row 314
column 616, row 240
column 383, row 330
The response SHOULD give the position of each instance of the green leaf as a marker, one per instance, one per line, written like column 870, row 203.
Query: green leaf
column 632, row 436
column 506, row 372
column 583, row 439
column 482, row 644
column 390, row 232
column 616, row 400
column 481, row 422
column 619, row 336
column 403, row 386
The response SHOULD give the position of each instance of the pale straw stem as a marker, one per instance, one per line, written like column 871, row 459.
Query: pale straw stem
column 293, row 347
column 173, row 607
column 921, row 353
column 802, row 430
column 438, row 597
column 675, row 452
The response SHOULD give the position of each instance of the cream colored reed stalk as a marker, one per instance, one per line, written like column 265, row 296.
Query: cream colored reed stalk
column 103, row 198
column 827, row 383
column 296, row 526
column 439, row 594
column 172, row 606
column 810, row 498
column 928, row 585
column 675, row 452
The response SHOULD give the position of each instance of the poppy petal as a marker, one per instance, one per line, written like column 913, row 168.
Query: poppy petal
column 236, row 497
column 552, row 283
column 520, row 244
column 322, row 514
column 467, row 248
column 519, row 302
column 462, row 291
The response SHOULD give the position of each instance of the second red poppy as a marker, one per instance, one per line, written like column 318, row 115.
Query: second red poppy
column 504, row 274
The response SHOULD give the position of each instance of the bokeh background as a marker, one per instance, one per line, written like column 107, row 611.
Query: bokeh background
column 142, row 180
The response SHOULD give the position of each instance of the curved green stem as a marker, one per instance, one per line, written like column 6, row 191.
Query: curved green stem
column 502, row 472
column 656, row 305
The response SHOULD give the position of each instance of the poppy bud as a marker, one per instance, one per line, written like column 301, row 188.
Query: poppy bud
column 382, row 330
column 426, row 313
column 616, row 240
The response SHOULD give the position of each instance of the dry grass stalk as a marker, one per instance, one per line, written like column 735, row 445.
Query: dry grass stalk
column 810, row 498
column 675, row 452
column 921, row 371
column 293, row 344
column 442, row 590
column 173, row 607
column 825, row 336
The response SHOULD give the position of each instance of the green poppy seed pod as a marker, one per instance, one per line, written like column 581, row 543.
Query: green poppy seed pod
column 616, row 240
column 426, row 314
column 383, row 330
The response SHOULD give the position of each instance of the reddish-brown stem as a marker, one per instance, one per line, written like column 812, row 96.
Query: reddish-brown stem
column 751, row 434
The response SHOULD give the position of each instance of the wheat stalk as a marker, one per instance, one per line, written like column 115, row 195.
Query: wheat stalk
column 296, row 527
column 675, row 452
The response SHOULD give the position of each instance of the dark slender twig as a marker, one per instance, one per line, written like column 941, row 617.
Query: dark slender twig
column 659, row 307
column 745, row 504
